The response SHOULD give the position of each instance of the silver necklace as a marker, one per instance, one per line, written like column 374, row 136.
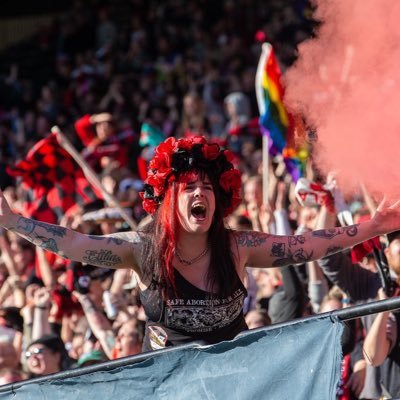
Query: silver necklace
column 193, row 260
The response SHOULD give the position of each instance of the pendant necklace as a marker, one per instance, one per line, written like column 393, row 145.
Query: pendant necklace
column 193, row 260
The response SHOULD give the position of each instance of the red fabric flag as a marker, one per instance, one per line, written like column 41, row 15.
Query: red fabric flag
column 52, row 181
column 53, row 184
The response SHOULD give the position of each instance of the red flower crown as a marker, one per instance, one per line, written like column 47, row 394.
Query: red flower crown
column 175, row 156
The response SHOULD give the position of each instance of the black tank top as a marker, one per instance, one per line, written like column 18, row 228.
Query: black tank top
column 191, row 314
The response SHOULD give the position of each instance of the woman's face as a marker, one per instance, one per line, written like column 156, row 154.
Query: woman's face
column 230, row 109
column 196, row 204
column 104, row 130
column 41, row 360
column 190, row 105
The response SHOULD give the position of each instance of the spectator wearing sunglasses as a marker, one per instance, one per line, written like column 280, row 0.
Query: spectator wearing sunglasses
column 46, row 355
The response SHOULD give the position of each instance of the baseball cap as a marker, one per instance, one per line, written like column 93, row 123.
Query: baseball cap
column 91, row 357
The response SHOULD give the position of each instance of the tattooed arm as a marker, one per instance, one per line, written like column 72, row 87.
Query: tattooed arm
column 263, row 250
column 112, row 251
column 98, row 323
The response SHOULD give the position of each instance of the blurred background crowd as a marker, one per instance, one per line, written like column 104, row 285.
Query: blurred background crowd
column 118, row 78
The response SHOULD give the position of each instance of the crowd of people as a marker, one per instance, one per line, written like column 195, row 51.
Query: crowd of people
column 118, row 82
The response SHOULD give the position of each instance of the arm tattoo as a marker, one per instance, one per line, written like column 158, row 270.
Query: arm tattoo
column 102, row 258
column 333, row 250
column 297, row 257
column 96, row 237
column 352, row 230
column 251, row 239
column 46, row 243
column 131, row 237
column 108, row 239
column 88, row 306
column 110, row 339
column 115, row 240
column 96, row 319
column 278, row 249
column 119, row 238
column 331, row 233
column 294, row 240
column 28, row 226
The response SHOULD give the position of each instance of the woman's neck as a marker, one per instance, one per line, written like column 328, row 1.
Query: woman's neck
column 189, row 244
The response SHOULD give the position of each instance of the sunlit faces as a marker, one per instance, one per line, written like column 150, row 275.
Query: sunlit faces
column 196, row 204
column 104, row 130
column 41, row 360
column 330, row 305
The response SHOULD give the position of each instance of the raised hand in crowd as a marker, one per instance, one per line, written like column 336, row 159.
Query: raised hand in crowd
column 17, row 287
column 104, row 117
column 98, row 323
column 41, row 306
column 382, row 337
column 42, row 298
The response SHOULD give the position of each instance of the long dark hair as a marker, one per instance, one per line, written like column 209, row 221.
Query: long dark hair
column 222, row 271
column 159, row 243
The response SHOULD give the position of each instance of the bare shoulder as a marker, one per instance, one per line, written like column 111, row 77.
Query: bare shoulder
column 135, row 241
column 129, row 236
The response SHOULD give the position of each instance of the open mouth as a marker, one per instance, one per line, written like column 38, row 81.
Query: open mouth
column 198, row 211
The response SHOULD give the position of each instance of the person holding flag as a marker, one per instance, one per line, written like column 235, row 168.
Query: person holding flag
column 278, row 126
column 190, row 267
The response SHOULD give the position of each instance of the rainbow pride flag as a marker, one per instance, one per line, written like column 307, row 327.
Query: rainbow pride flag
column 275, row 121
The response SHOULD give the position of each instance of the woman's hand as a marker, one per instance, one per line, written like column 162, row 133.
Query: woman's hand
column 15, row 282
column 102, row 117
column 5, row 211
column 387, row 217
column 41, row 298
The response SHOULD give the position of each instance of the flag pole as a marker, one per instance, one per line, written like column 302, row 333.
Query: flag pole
column 265, row 52
column 91, row 176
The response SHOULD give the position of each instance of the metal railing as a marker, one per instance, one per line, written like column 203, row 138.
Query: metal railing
column 343, row 314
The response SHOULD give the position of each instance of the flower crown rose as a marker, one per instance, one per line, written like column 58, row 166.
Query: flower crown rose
column 174, row 156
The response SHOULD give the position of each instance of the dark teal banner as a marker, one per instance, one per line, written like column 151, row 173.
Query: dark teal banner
column 295, row 362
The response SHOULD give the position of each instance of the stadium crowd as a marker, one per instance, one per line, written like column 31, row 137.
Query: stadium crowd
column 118, row 79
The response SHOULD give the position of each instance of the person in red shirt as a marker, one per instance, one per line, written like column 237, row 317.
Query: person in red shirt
column 102, row 143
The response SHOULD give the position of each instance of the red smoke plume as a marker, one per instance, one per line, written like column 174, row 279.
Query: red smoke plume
column 346, row 82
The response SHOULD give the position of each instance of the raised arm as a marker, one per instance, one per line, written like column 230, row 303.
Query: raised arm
column 377, row 343
column 98, row 323
column 263, row 250
column 118, row 250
